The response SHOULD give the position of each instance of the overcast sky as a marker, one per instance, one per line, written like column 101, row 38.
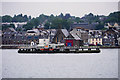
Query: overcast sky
column 74, row 8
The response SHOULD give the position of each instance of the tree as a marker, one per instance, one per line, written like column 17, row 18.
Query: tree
column 25, row 18
column 61, row 15
column 56, row 23
column 12, row 25
column 113, row 17
column 90, row 14
column 20, row 18
column 67, row 16
column 36, row 22
column 47, row 25
column 29, row 18
column 59, row 23
column 6, row 18
column 99, row 26
column 77, row 19
column 5, row 26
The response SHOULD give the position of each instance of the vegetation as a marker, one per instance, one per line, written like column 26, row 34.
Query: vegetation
column 16, row 18
column 113, row 17
column 62, row 21
column 58, row 23
column 8, row 26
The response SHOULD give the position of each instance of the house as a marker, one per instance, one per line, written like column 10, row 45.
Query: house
column 112, row 25
column 51, row 33
column 110, row 36
column 95, row 37
column 73, row 40
column 81, row 33
column 17, row 24
column 11, row 36
column 33, row 32
column 91, row 26
column 95, row 40
column 117, row 26
column 108, row 40
column 60, row 35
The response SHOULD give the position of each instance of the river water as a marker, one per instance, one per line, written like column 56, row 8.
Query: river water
column 96, row 65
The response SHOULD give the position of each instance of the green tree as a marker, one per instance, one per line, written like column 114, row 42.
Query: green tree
column 5, row 26
column 78, row 20
column 113, row 17
column 100, row 26
column 47, row 25
column 6, row 18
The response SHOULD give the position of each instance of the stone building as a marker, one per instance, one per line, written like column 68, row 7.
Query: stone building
column 73, row 40
column 82, row 33
column 60, row 35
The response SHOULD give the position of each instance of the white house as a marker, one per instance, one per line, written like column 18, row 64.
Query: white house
column 33, row 32
column 95, row 40
column 17, row 24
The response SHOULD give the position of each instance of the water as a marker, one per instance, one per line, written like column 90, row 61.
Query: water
column 98, row 65
column 0, row 64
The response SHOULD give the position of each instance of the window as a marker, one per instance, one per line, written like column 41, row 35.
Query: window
column 29, row 37
column 57, row 39
column 36, row 37
column 62, row 37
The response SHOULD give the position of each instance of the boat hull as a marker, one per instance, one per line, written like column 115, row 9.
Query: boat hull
column 56, row 51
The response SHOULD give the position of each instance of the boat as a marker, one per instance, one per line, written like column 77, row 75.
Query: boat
column 46, row 47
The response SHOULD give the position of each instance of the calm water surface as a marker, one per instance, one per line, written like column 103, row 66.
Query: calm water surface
column 97, row 65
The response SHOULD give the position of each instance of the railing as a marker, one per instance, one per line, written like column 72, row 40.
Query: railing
column 66, row 47
column 19, row 45
column 92, row 47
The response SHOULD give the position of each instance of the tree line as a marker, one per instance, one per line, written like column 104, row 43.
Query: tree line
column 62, row 21
column 16, row 18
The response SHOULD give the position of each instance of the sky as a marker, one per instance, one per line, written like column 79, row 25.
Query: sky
column 60, row 0
column 78, row 9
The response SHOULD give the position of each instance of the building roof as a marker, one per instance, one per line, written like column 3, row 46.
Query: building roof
column 65, row 32
column 116, row 25
column 74, row 35
column 33, row 31
column 12, row 29
column 84, row 25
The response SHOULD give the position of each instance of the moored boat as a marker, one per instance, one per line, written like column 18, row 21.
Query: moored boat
column 45, row 47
